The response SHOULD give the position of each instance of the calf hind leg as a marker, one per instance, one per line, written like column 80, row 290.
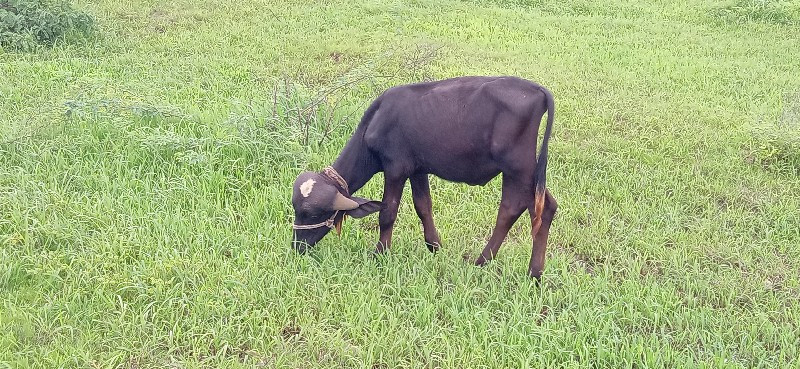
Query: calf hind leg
column 541, row 229
column 516, row 197
column 420, row 191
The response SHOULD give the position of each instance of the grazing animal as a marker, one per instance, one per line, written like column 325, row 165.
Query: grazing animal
column 466, row 130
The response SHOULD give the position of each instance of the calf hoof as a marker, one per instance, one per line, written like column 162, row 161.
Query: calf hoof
column 433, row 246
column 537, row 277
column 380, row 249
column 481, row 261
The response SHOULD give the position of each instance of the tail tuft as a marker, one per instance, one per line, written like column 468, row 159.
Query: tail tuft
column 538, row 209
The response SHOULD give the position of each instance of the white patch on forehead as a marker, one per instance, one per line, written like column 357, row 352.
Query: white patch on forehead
column 306, row 187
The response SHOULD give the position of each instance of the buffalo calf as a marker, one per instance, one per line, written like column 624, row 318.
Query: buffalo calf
column 467, row 130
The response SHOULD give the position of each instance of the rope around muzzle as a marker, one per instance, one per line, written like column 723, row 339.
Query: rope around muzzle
column 333, row 175
column 327, row 223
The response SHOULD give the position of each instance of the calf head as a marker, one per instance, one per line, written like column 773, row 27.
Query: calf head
column 320, row 205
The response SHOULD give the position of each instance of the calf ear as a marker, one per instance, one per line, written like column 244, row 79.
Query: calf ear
column 365, row 207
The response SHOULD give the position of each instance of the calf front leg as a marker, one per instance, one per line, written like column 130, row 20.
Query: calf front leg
column 392, row 191
column 421, row 192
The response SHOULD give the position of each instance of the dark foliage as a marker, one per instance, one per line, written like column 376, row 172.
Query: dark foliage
column 26, row 25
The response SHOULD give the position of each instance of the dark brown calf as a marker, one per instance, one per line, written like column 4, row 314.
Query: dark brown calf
column 467, row 130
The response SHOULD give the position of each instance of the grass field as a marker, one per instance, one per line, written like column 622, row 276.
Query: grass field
column 145, row 184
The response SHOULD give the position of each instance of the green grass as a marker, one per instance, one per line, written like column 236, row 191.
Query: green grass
column 145, row 190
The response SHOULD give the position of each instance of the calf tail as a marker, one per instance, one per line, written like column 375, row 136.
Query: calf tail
column 540, row 173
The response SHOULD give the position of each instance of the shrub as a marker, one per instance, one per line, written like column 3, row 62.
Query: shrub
column 778, row 151
column 763, row 11
column 777, row 145
column 26, row 25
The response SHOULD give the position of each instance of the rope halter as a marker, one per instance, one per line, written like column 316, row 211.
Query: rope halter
column 327, row 223
column 333, row 175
